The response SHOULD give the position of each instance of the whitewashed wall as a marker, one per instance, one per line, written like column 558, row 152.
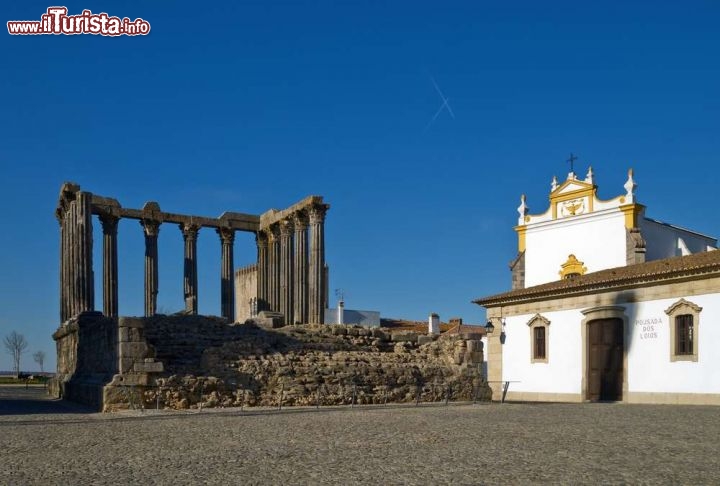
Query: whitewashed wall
column 598, row 240
column 563, row 371
column 350, row 316
column 649, row 365
column 647, row 341
column 662, row 240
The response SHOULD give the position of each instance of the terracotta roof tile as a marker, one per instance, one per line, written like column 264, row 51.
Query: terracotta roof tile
column 402, row 325
column 648, row 272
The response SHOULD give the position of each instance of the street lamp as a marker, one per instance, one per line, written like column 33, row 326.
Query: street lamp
column 489, row 328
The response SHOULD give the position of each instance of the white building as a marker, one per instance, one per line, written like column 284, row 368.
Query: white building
column 606, row 304
column 341, row 315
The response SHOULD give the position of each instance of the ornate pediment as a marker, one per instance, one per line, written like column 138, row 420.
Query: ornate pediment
column 572, row 186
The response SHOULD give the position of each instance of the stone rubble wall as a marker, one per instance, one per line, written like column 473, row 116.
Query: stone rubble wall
column 208, row 363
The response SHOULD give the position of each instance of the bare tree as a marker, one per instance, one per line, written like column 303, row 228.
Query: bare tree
column 39, row 357
column 16, row 345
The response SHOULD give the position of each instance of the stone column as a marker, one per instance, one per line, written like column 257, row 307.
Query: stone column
column 286, row 268
column 60, row 217
column 227, row 282
column 262, row 270
column 317, row 264
column 151, row 229
column 274, row 268
column 190, row 282
column 325, row 284
column 110, row 264
column 84, row 278
column 300, row 311
column 269, row 270
column 72, row 260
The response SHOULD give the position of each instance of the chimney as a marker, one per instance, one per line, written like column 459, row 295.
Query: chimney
column 434, row 324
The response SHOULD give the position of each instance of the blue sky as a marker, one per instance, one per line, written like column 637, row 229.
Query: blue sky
column 247, row 106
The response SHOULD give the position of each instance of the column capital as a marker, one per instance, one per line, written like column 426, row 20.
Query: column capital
column 317, row 213
column 286, row 227
column 261, row 238
column 227, row 235
column 151, row 227
column 109, row 223
column 189, row 230
column 300, row 220
column 273, row 232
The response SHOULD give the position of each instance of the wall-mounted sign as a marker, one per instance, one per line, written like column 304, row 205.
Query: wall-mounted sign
column 648, row 328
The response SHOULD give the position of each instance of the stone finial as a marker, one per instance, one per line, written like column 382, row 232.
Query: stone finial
column 630, row 186
column 522, row 210
column 589, row 178
column 553, row 184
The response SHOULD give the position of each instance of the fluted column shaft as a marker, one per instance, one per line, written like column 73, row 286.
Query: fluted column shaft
column 72, row 264
column 274, row 268
column 300, row 311
column 269, row 272
column 317, row 264
column 227, row 283
column 72, row 252
column 286, row 270
column 190, row 281
column 151, row 229
column 60, row 218
column 79, row 278
column 110, row 264
column 262, row 270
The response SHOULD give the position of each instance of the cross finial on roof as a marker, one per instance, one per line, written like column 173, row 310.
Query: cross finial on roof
column 572, row 160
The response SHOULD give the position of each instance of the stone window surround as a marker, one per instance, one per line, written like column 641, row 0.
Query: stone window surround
column 539, row 321
column 679, row 308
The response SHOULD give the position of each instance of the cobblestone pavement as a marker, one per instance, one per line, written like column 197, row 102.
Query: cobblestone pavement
column 47, row 442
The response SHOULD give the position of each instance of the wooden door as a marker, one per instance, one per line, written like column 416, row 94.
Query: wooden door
column 605, row 359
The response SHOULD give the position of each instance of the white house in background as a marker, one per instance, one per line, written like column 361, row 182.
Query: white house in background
column 341, row 315
column 606, row 304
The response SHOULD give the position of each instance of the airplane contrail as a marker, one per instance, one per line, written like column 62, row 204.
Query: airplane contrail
column 445, row 105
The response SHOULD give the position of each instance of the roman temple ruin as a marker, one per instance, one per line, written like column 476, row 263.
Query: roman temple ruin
column 290, row 269
column 97, row 350
column 186, row 360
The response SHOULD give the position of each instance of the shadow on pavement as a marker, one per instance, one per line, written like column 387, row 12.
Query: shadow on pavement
column 17, row 400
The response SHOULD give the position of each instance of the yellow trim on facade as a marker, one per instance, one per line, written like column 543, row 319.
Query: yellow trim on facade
column 632, row 213
column 586, row 190
column 521, row 230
